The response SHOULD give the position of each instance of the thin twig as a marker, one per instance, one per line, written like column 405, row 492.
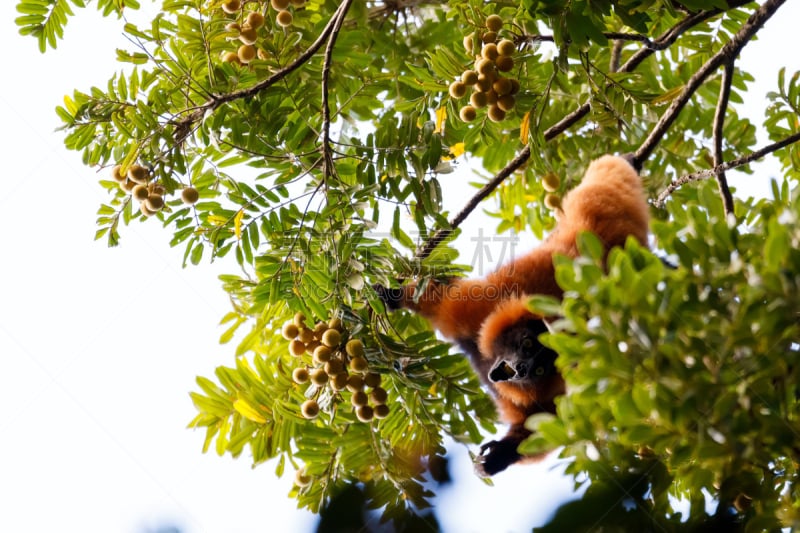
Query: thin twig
column 734, row 163
column 729, row 51
column 719, row 124
column 327, row 159
column 484, row 191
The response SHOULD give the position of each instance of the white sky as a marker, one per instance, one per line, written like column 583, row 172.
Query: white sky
column 99, row 347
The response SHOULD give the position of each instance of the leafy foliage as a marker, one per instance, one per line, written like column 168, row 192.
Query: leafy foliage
column 698, row 364
column 322, row 156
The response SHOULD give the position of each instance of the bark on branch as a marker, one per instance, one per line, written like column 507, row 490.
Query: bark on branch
column 337, row 20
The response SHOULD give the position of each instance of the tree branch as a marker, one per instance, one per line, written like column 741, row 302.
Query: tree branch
column 184, row 125
column 663, row 42
column 719, row 124
column 338, row 19
column 738, row 162
column 728, row 52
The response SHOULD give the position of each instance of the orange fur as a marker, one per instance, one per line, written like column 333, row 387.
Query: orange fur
column 610, row 203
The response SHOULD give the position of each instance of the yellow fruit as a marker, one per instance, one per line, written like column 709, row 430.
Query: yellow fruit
column 299, row 320
column 457, row 89
column 552, row 201
column 339, row 381
column 335, row 323
column 156, row 188
column 128, row 185
column 248, row 35
column 279, row 5
column 501, row 86
column 311, row 346
column 138, row 174
column 300, row 375
column 246, row 53
column 255, row 19
column 477, row 100
column 506, row 102
column 469, row 77
column 490, row 52
column 485, row 67
column 468, row 113
column 381, row 411
column 230, row 57
column 332, row 338
column 116, row 174
column 301, row 479
column 514, row 86
column 319, row 376
column 359, row 398
column 355, row 348
column 145, row 211
column 319, row 329
column 378, row 395
column 262, row 54
column 494, row 22
column 358, row 364
column 334, row 367
column 372, row 380
column 483, row 84
column 551, row 182
column 322, row 354
column 284, row 19
column 355, row 383
column 154, row 202
column 506, row 47
column 233, row 27
column 364, row 413
column 489, row 37
column 297, row 348
column 189, row 195
column 310, row 408
column 305, row 335
column 231, row 6
column 504, row 63
column 139, row 192
column 491, row 97
column 496, row 114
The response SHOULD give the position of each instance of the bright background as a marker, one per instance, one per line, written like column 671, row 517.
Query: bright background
column 99, row 347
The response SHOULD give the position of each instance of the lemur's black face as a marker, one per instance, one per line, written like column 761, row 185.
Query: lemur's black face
column 519, row 356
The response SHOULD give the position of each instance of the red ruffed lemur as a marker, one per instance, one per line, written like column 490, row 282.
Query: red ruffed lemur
column 489, row 319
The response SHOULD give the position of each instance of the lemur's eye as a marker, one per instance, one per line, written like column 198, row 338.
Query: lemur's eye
column 539, row 370
column 526, row 343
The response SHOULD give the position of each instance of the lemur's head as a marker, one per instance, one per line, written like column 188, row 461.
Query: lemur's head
column 510, row 337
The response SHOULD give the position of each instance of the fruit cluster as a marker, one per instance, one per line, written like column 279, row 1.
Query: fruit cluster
column 489, row 87
column 247, row 29
column 138, row 182
column 551, row 183
column 339, row 366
